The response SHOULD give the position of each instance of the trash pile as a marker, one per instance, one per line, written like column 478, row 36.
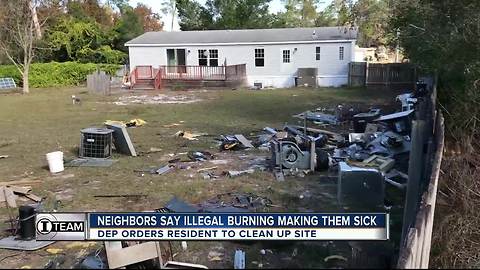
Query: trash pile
column 375, row 154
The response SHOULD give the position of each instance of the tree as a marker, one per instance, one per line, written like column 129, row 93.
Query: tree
column 224, row 14
column 170, row 7
column 128, row 26
column 149, row 19
column 18, row 31
column 240, row 14
column 371, row 17
column 90, row 10
column 442, row 36
column 193, row 16
column 301, row 13
column 326, row 17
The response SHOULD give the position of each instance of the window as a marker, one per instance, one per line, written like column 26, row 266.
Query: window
column 340, row 52
column 317, row 53
column 208, row 58
column 202, row 58
column 213, row 58
column 259, row 57
column 286, row 56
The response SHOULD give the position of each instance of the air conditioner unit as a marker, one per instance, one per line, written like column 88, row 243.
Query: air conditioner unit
column 96, row 143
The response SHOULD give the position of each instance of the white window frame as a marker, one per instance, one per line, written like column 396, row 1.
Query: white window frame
column 318, row 51
column 259, row 54
column 211, row 56
column 208, row 55
column 286, row 55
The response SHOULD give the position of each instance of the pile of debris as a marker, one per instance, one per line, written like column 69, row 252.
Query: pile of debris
column 222, row 203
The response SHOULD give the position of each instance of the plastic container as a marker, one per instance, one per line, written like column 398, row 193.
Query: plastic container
column 55, row 161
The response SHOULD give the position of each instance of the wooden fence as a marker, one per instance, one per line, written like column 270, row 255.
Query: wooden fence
column 424, row 169
column 99, row 83
column 373, row 74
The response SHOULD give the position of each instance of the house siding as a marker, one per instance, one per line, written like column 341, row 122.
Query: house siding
column 331, row 70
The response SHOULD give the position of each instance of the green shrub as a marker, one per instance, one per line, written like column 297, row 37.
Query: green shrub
column 104, row 54
column 56, row 74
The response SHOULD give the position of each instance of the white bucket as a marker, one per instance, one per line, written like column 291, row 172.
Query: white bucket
column 55, row 161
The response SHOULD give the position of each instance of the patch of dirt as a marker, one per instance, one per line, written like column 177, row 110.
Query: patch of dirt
column 157, row 99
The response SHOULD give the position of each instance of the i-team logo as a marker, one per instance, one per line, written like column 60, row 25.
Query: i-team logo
column 44, row 226
column 59, row 226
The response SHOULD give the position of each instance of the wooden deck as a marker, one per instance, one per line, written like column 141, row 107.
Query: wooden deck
column 156, row 78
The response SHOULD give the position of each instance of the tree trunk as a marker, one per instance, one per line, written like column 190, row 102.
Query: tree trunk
column 26, row 89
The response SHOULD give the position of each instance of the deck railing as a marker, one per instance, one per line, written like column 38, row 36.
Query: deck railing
column 232, row 75
column 193, row 73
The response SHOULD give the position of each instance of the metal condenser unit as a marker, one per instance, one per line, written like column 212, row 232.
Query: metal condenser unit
column 96, row 143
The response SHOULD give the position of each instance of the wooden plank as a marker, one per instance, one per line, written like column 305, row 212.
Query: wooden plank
column 20, row 190
column 2, row 196
column 244, row 141
column 20, row 182
column 111, row 246
column 10, row 197
column 316, row 130
column 126, row 256
column 33, row 197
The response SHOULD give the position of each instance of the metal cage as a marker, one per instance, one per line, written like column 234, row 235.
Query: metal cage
column 96, row 143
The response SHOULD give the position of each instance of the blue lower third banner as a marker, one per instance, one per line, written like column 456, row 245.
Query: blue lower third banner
column 212, row 226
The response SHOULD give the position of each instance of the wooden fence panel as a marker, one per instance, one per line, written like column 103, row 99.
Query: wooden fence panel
column 375, row 74
column 357, row 73
column 415, row 251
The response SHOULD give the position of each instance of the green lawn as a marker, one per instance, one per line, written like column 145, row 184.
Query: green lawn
column 45, row 121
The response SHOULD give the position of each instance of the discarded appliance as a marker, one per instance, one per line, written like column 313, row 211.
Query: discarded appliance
column 408, row 101
column 121, row 139
column 239, row 259
column 298, row 151
column 353, row 152
column 360, row 188
column 362, row 138
column 287, row 154
column 389, row 144
column 96, row 143
column 400, row 122
column 360, row 120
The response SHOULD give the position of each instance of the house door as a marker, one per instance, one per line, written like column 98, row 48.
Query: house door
column 176, row 60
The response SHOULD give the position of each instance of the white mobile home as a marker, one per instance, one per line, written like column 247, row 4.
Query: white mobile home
column 271, row 57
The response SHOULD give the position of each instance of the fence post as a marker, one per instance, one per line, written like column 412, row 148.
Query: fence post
column 366, row 73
